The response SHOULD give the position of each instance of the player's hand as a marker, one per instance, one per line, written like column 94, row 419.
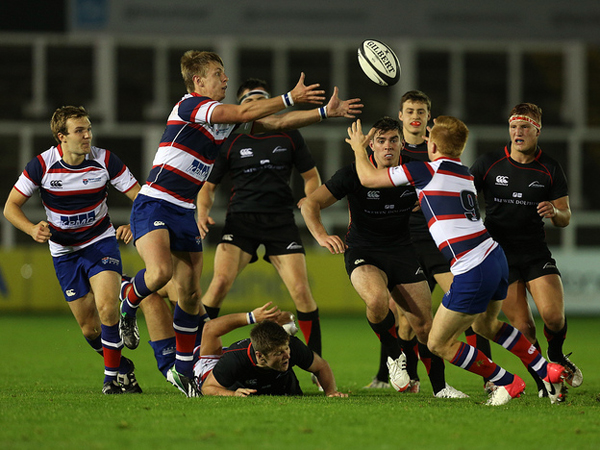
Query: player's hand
column 41, row 232
column 124, row 233
column 337, row 394
column 357, row 140
column 547, row 210
column 244, row 392
column 333, row 243
column 307, row 94
column 203, row 223
column 266, row 312
column 343, row 108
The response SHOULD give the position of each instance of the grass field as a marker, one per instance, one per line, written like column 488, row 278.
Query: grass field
column 50, row 383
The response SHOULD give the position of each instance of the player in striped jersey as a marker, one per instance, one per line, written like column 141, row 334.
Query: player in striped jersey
column 73, row 179
column 163, row 224
column 448, row 199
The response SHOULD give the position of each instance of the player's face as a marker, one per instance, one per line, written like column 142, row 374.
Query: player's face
column 214, row 84
column 414, row 117
column 279, row 359
column 386, row 148
column 523, row 137
column 78, row 140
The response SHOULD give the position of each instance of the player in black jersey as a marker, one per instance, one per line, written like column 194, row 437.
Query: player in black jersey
column 261, row 365
column 380, row 259
column 523, row 186
column 261, row 206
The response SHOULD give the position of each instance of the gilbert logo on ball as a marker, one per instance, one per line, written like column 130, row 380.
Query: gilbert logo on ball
column 379, row 62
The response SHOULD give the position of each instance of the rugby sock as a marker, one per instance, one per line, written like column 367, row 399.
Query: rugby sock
column 186, row 327
column 310, row 325
column 473, row 360
column 533, row 373
column 435, row 368
column 513, row 340
column 475, row 340
column 386, row 332
column 203, row 319
column 555, row 340
column 135, row 294
column 111, row 346
column 164, row 353
column 212, row 312
column 383, row 372
column 408, row 347
column 96, row 343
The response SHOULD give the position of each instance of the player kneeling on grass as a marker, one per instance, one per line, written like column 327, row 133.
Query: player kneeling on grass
column 262, row 364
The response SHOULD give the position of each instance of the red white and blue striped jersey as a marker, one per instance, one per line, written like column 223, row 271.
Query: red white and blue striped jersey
column 449, row 202
column 74, row 197
column 187, row 150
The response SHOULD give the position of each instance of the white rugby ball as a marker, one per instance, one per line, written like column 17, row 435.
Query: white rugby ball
column 379, row 62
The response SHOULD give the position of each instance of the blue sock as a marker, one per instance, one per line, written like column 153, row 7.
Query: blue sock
column 164, row 353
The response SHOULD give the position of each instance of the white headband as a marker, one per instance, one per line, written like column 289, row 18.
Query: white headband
column 265, row 94
column 517, row 117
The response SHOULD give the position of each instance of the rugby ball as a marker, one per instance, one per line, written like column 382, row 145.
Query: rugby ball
column 379, row 62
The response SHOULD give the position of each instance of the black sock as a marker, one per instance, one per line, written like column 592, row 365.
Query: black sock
column 412, row 360
column 310, row 325
column 555, row 340
column 212, row 312
column 386, row 331
column 435, row 368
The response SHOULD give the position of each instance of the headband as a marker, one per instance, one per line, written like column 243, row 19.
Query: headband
column 517, row 117
column 254, row 92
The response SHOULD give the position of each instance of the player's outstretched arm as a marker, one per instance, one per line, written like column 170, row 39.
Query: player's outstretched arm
column 13, row 211
column 252, row 111
column 324, row 374
column 311, row 208
column 212, row 387
column 298, row 119
column 369, row 176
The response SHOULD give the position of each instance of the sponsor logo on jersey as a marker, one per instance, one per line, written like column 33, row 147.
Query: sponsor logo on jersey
column 159, row 223
column 78, row 220
column 108, row 260
column 408, row 194
column 246, row 153
column 279, row 149
column 420, row 271
column 358, row 261
column 549, row 265
column 389, row 206
column 70, row 292
column 227, row 237
column 199, row 170
column 87, row 181
column 373, row 195
column 294, row 246
column 56, row 184
column 502, row 180
column 536, row 184
column 517, row 195
column 265, row 161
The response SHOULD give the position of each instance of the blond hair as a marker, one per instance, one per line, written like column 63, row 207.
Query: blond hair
column 195, row 62
column 58, row 122
column 450, row 135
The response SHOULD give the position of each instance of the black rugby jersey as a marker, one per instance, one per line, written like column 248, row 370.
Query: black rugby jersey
column 418, row 225
column 260, row 167
column 237, row 368
column 512, row 192
column 378, row 216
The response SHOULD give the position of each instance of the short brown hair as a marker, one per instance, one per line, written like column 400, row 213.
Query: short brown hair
column 268, row 336
column 527, row 109
column 386, row 124
column 58, row 123
column 450, row 135
column 195, row 62
column 417, row 97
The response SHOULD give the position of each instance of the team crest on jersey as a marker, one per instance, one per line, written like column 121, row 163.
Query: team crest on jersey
column 87, row 181
column 279, row 149
column 246, row 153
column 502, row 180
column 373, row 195
column 199, row 170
